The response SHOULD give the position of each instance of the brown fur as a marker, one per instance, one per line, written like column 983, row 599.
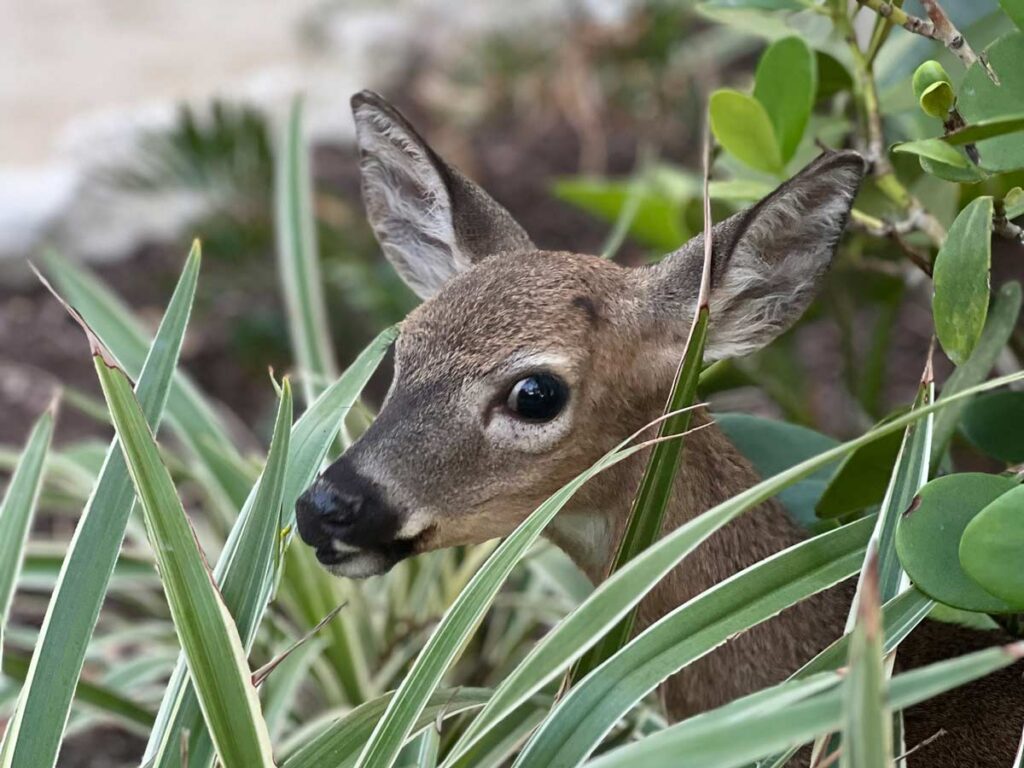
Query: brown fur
column 451, row 465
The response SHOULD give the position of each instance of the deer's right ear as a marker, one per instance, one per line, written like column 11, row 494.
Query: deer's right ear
column 431, row 221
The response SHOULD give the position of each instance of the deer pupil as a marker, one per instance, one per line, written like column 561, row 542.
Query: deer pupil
column 540, row 397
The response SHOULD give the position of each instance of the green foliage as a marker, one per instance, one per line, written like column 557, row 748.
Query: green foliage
column 995, row 425
column 960, row 303
column 928, row 538
column 786, row 84
column 934, row 89
column 991, row 547
column 741, row 124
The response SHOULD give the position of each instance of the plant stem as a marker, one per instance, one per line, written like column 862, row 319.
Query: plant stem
column 936, row 27
column 885, row 175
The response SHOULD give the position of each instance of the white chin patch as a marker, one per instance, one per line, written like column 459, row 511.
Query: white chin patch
column 361, row 565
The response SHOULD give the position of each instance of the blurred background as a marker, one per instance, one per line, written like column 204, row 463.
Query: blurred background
column 127, row 128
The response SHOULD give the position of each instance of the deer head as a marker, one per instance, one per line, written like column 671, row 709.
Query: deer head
column 521, row 367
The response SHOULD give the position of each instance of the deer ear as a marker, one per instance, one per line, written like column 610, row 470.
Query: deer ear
column 430, row 220
column 767, row 260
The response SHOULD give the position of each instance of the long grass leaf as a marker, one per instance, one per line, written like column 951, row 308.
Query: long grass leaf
column 589, row 711
column 100, row 698
column 253, row 552
column 17, row 509
column 206, row 630
column 714, row 741
column 194, row 420
column 338, row 745
column 74, row 607
column 310, row 439
column 867, row 722
column 647, row 515
column 298, row 261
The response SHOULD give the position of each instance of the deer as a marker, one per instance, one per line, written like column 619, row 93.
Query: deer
column 522, row 367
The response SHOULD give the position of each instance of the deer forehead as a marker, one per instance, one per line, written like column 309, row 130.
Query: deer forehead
column 508, row 306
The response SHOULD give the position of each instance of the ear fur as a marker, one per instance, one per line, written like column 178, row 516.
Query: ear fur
column 767, row 260
column 431, row 221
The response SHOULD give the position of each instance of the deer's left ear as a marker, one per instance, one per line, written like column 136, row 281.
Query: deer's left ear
column 431, row 221
column 767, row 260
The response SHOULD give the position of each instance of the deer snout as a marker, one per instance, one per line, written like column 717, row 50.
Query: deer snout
column 347, row 520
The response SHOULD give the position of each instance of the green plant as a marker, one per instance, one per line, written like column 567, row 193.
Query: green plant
column 441, row 662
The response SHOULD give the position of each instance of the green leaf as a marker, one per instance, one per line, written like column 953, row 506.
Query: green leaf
column 934, row 149
column 742, row 125
column 647, row 515
column 928, row 538
column 713, row 740
column 867, row 722
column 995, row 425
column 773, row 446
column 982, row 100
column 965, row 174
column 298, row 260
column 310, row 439
column 657, row 222
column 739, row 190
column 1015, row 10
column 98, row 697
column 992, row 548
column 933, row 89
column 1013, row 203
column 985, row 129
column 17, row 509
column 861, row 479
column 961, row 279
column 909, row 474
column 585, row 715
column 194, row 420
column 338, row 745
column 205, row 628
column 250, row 555
column 91, row 558
column 998, row 328
column 785, row 84
column 833, row 76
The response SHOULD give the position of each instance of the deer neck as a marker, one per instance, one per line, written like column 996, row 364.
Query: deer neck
column 712, row 471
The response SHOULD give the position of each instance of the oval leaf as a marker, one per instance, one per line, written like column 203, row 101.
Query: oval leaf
column 992, row 548
column 785, row 84
column 928, row 538
column 934, row 149
column 995, row 425
column 982, row 100
column 741, row 125
column 961, row 278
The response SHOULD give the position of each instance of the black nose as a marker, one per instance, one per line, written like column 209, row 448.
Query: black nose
column 344, row 511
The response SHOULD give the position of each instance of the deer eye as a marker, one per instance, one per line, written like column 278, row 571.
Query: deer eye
column 539, row 397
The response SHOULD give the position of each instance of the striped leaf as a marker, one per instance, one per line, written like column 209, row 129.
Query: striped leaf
column 213, row 650
column 85, row 574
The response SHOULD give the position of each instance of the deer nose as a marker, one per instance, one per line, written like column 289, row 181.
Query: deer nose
column 342, row 513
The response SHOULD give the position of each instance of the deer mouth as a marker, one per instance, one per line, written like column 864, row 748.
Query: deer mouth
column 360, row 562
